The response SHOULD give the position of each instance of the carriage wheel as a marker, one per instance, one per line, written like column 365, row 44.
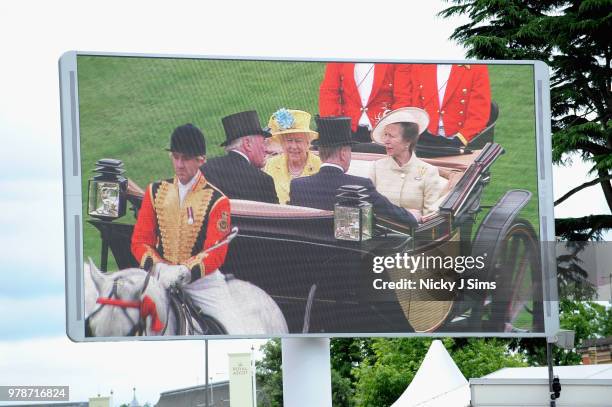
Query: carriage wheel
column 516, row 303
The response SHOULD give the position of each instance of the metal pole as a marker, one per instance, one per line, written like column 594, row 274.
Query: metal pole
column 253, row 378
column 610, row 288
column 206, row 372
column 549, row 361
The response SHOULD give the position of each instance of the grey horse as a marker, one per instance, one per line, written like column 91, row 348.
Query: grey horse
column 134, row 302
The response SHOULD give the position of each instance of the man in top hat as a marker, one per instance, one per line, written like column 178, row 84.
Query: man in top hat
column 320, row 190
column 179, row 219
column 238, row 174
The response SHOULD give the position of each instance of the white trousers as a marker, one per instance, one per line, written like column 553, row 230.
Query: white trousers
column 212, row 295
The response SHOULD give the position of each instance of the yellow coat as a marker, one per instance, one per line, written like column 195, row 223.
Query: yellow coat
column 415, row 185
column 278, row 169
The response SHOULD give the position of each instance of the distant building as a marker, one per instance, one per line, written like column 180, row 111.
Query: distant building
column 218, row 396
column 596, row 351
column 100, row 402
column 134, row 402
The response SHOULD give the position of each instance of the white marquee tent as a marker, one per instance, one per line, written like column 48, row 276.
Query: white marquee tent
column 440, row 383
column 437, row 383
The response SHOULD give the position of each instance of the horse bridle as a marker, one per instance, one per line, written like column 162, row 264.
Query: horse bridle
column 138, row 328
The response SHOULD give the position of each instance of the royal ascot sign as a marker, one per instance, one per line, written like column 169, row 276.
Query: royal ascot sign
column 241, row 380
column 431, row 219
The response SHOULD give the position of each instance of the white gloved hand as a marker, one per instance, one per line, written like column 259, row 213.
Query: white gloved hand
column 170, row 275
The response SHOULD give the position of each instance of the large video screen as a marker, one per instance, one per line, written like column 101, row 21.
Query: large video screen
column 270, row 198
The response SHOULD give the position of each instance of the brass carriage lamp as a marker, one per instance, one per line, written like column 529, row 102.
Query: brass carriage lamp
column 353, row 214
column 107, row 190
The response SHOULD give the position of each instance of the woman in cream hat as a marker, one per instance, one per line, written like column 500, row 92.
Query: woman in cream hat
column 291, row 128
column 402, row 177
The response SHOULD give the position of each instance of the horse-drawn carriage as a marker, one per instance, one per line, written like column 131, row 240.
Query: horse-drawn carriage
column 324, row 285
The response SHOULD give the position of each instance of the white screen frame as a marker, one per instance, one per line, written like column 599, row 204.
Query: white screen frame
column 73, row 216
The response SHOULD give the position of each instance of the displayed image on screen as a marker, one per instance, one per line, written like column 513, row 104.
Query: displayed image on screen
column 268, row 198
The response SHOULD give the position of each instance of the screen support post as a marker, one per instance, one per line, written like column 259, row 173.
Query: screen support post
column 564, row 339
column 550, row 362
column 306, row 372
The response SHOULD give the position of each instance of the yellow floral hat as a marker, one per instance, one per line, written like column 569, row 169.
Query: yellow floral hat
column 286, row 121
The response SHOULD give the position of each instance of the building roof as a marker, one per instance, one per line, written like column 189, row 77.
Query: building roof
column 564, row 372
column 587, row 343
column 218, row 394
column 199, row 387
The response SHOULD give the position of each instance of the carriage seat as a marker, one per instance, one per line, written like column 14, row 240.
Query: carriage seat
column 240, row 207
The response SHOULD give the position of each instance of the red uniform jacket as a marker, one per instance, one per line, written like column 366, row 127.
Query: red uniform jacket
column 339, row 96
column 178, row 234
column 467, row 100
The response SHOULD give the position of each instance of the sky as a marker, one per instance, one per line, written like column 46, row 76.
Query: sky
column 34, row 348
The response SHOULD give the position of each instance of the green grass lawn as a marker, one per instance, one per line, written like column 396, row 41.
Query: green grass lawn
column 512, row 89
column 129, row 106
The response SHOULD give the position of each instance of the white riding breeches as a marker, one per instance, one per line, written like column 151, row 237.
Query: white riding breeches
column 211, row 294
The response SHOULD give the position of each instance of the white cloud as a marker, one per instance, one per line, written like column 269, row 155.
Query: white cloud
column 38, row 316
column 32, row 234
column 589, row 201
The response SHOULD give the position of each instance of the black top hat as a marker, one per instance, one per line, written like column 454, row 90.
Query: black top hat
column 187, row 139
column 334, row 131
column 242, row 124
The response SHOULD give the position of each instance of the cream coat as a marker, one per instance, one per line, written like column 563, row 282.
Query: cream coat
column 416, row 185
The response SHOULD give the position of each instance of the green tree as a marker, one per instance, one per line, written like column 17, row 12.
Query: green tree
column 480, row 356
column 375, row 371
column 383, row 378
column 607, row 324
column 573, row 38
column 269, row 374
column 345, row 355
column 348, row 353
column 589, row 320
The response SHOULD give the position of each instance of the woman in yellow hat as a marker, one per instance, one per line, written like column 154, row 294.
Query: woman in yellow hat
column 291, row 128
